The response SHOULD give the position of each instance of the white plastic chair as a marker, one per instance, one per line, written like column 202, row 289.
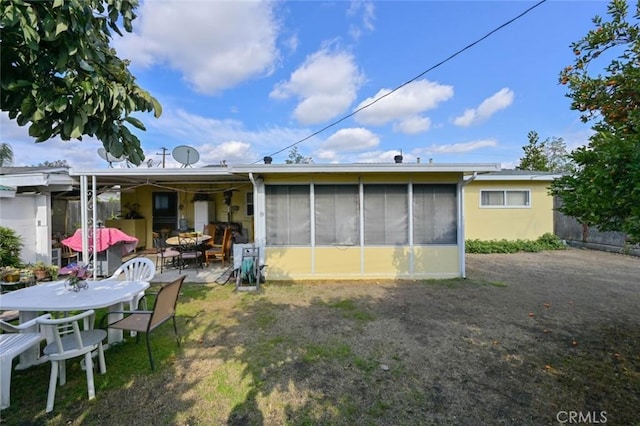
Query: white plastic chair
column 136, row 269
column 69, row 341
column 13, row 344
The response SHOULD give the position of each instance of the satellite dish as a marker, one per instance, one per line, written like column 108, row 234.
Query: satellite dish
column 185, row 155
column 108, row 157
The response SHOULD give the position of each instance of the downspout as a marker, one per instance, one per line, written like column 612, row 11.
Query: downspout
column 259, row 217
column 461, row 232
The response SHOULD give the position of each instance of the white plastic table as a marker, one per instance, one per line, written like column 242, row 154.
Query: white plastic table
column 54, row 297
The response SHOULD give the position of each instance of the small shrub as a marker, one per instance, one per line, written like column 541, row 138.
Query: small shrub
column 10, row 246
column 547, row 241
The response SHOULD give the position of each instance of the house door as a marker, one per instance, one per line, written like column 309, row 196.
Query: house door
column 165, row 211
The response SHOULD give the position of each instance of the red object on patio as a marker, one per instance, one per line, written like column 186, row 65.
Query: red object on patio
column 105, row 238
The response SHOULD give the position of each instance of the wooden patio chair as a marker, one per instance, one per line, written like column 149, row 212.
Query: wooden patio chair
column 68, row 255
column 164, row 309
column 220, row 251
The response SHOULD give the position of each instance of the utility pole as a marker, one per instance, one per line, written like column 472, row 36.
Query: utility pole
column 164, row 154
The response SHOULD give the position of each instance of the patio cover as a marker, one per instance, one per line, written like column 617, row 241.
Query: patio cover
column 105, row 238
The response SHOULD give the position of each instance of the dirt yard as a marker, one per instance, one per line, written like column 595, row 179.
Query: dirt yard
column 527, row 339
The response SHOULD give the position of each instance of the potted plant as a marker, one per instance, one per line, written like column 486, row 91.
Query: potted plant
column 40, row 270
column 10, row 274
column 53, row 272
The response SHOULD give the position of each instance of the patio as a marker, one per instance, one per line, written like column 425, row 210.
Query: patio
column 207, row 274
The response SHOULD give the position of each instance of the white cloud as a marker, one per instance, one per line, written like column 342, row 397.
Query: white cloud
column 215, row 45
column 407, row 103
column 351, row 140
column 222, row 140
column 496, row 102
column 458, row 148
column 367, row 10
column 231, row 152
column 379, row 156
column 326, row 84
column 79, row 154
column 413, row 125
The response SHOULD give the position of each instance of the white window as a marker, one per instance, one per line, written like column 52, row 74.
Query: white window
column 505, row 198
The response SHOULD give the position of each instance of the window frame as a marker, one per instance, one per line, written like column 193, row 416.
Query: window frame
column 504, row 194
column 250, row 205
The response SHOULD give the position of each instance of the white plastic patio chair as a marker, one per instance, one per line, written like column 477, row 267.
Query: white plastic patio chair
column 136, row 269
column 13, row 344
column 68, row 341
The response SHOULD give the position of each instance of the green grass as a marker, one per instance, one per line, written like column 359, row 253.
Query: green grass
column 298, row 355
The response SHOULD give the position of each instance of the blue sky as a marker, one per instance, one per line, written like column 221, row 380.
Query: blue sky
column 239, row 80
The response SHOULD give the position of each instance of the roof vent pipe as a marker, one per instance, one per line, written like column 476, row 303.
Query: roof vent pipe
column 267, row 160
column 398, row 158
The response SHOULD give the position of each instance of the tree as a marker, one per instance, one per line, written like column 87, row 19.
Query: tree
column 558, row 159
column 6, row 154
column 534, row 154
column 549, row 155
column 296, row 158
column 56, row 164
column 60, row 76
column 604, row 190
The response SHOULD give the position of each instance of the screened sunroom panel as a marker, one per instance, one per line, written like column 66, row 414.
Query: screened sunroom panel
column 288, row 215
column 435, row 214
column 337, row 214
column 386, row 215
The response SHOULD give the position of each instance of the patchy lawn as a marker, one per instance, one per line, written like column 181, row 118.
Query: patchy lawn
column 527, row 336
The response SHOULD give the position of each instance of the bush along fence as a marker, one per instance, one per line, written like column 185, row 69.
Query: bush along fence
column 545, row 242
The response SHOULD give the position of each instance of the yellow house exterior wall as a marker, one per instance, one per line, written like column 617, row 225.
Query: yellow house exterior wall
column 526, row 223
column 323, row 263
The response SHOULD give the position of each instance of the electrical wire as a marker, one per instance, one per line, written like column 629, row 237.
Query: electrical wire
column 450, row 57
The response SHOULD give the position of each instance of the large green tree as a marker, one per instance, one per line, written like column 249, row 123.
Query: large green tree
column 604, row 190
column 61, row 77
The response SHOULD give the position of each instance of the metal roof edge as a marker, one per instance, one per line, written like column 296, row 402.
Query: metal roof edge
column 526, row 177
column 366, row 168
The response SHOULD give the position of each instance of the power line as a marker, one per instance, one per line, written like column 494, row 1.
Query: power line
column 467, row 47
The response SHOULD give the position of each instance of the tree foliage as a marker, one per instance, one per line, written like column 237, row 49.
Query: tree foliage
column 61, row 77
column 604, row 190
column 6, row 154
column 56, row 164
column 534, row 155
column 296, row 158
column 549, row 155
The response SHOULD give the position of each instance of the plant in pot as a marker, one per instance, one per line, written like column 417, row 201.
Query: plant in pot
column 40, row 270
column 53, row 272
column 9, row 274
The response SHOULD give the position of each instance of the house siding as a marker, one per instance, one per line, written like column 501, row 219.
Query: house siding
column 526, row 223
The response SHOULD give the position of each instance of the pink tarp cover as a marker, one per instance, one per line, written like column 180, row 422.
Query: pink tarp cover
column 105, row 238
